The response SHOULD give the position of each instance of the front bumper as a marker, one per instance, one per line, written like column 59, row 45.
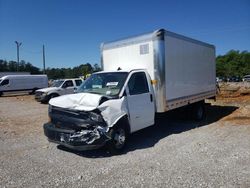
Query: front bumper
column 39, row 97
column 77, row 140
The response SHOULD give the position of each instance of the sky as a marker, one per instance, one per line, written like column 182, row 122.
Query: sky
column 72, row 30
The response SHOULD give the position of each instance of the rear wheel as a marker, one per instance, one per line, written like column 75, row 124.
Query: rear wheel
column 118, row 140
column 1, row 93
column 198, row 111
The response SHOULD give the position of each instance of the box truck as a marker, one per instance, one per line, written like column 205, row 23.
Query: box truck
column 142, row 76
column 17, row 83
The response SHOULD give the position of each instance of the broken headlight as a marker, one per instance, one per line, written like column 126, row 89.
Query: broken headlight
column 95, row 117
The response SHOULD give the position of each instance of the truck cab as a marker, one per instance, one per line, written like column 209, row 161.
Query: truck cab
column 107, row 107
column 58, row 88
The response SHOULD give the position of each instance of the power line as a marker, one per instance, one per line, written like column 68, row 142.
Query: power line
column 31, row 52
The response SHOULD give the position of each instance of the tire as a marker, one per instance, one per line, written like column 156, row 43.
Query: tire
column 198, row 111
column 119, row 136
column 53, row 95
column 1, row 93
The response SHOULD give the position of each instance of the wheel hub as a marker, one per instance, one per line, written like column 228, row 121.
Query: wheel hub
column 120, row 137
column 199, row 113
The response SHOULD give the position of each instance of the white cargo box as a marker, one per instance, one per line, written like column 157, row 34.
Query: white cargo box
column 182, row 69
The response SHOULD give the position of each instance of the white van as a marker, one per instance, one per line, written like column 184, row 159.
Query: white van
column 16, row 83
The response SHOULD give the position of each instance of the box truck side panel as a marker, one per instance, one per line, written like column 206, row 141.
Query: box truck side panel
column 189, row 68
column 128, row 57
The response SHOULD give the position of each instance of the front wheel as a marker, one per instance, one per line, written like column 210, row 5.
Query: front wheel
column 47, row 98
column 53, row 95
column 118, row 140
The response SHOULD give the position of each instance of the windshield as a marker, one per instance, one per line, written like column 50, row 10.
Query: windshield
column 57, row 83
column 107, row 84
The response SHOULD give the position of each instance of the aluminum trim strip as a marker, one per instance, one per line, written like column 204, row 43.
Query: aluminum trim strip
column 203, row 93
column 159, row 72
column 182, row 37
column 183, row 101
column 149, row 37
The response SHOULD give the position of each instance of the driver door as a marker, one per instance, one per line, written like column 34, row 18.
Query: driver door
column 140, row 102
column 68, row 87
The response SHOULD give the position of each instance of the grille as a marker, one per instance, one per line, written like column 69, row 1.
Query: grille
column 38, row 93
column 68, row 119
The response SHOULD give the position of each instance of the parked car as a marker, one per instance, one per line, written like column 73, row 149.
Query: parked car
column 233, row 79
column 219, row 79
column 17, row 83
column 58, row 88
column 246, row 78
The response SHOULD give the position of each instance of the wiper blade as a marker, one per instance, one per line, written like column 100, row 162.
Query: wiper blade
column 92, row 92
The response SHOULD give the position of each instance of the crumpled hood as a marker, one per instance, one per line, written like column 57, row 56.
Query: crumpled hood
column 112, row 110
column 77, row 101
column 48, row 89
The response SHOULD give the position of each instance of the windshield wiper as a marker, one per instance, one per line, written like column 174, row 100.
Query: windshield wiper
column 92, row 92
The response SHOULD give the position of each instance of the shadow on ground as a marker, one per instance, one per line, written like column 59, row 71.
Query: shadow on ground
column 173, row 122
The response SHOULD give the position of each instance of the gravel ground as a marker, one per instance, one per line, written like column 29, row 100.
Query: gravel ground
column 173, row 153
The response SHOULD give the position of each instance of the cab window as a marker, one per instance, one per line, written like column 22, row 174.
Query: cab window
column 68, row 83
column 138, row 84
column 5, row 82
column 78, row 82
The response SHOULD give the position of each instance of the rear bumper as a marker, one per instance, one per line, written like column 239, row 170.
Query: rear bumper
column 84, row 140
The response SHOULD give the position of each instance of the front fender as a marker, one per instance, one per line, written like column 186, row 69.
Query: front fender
column 53, row 92
column 124, row 121
column 113, row 110
column 122, row 117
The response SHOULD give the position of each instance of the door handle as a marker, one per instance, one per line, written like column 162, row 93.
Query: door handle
column 151, row 97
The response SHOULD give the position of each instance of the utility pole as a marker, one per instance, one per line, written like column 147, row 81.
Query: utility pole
column 18, row 44
column 43, row 60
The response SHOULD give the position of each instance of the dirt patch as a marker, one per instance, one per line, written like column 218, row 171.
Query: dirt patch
column 240, row 117
column 236, row 94
column 174, row 153
column 21, row 115
column 233, row 90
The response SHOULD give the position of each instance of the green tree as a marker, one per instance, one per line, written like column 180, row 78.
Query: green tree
column 233, row 63
column 96, row 68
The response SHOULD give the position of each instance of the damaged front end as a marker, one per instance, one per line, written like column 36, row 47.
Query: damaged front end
column 75, row 129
